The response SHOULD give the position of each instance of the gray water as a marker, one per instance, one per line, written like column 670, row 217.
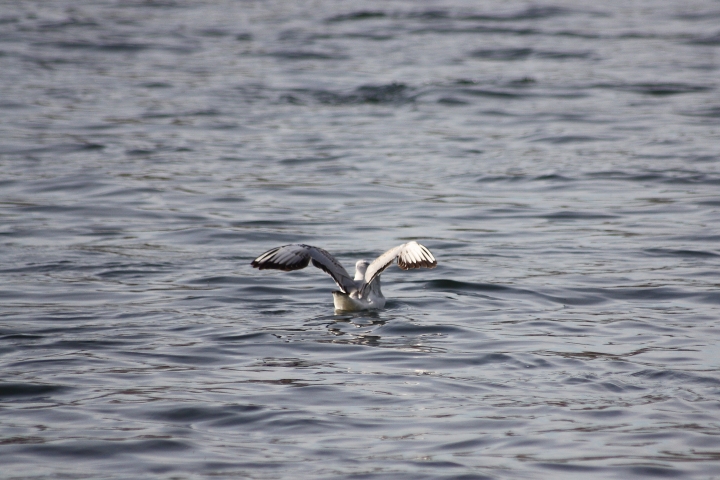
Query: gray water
column 560, row 159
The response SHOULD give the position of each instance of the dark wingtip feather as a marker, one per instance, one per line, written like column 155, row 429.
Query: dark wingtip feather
column 266, row 262
column 288, row 267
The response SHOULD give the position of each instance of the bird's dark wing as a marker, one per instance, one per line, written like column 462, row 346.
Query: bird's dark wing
column 298, row 256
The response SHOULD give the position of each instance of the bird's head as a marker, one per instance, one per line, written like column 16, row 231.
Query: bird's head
column 360, row 269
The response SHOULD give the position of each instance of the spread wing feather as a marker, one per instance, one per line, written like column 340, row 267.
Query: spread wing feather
column 408, row 255
column 298, row 256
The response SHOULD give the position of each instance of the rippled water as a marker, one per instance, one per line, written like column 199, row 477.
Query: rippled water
column 561, row 160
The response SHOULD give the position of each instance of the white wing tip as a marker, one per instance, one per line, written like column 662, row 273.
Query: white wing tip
column 415, row 255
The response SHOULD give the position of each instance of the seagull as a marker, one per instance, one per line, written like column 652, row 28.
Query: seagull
column 361, row 292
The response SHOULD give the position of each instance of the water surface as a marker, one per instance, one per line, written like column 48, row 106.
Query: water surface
column 559, row 159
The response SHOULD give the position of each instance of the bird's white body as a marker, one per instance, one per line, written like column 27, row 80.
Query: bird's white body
column 362, row 292
column 373, row 298
column 350, row 303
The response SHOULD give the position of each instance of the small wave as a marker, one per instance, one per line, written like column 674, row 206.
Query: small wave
column 200, row 413
column 85, row 344
column 676, row 177
column 576, row 215
column 656, row 89
column 28, row 390
column 709, row 112
column 59, row 148
column 40, row 267
column 615, row 386
column 105, row 449
column 454, row 285
column 219, row 280
column 562, row 139
column 536, row 12
column 523, row 53
column 569, row 467
column 156, row 85
column 530, row 13
column 698, row 16
column 27, row 440
column 475, row 29
column 480, row 92
column 308, row 160
column 712, row 41
column 247, row 336
column 578, row 296
column 564, row 55
column 658, row 294
column 103, row 47
column 214, row 32
column 259, row 290
column 305, row 55
column 355, row 16
column 681, row 253
column 655, row 471
column 503, row 53
column 570, row 297
column 502, row 178
column 210, row 112
column 552, row 177
column 119, row 46
column 451, row 101
column 406, row 328
column 676, row 376
column 389, row 94
column 450, row 361
column 467, row 445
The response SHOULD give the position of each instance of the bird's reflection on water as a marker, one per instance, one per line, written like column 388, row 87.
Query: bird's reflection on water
column 346, row 326
column 363, row 328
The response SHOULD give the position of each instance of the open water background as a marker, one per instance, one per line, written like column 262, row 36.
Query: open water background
column 561, row 160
